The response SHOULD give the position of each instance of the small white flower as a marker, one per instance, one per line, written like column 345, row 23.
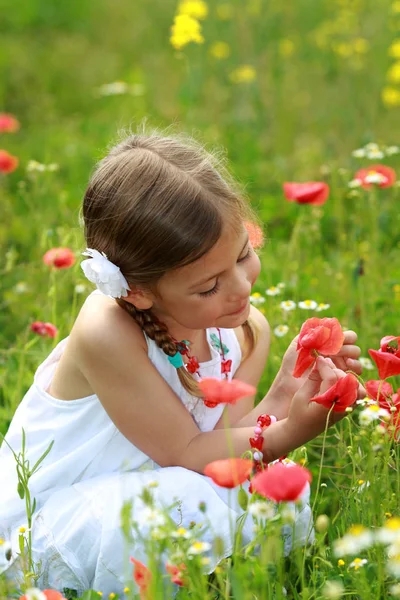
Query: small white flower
column 371, row 147
column 34, row 166
column 354, row 183
column 390, row 150
column 393, row 565
column 374, row 177
column 395, row 589
column 375, row 154
column 390, row 532
column 34, row 594
column 357, row 563
column 322, row 306
column 333, row 590
column 262, row 510
column 288, row 305
column 358, row 538
column 151, row 516
column 281, row 285
column 372, row 413
column 257, row 299
column 199, row 548
column 273, row 291
column 5, row 553
column 53, row 167
column 21, row 287
column 181, row 532
column 281, row 330
column 80, row 288
column 113, row 89
column 359, row 153
column 107, row 276
column 366, row 363
column 308, row 304
column 362, row 485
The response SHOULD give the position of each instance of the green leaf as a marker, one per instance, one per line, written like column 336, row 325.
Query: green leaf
column 21, row 490
column 45, row 453
column 243, row 499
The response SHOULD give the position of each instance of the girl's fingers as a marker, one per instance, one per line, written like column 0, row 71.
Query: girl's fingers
column 349, row 351
column 350, row 337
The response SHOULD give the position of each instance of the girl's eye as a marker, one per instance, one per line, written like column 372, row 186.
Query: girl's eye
column 214, row 290
column 246, row 256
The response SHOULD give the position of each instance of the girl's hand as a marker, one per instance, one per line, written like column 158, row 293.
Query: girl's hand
column 345, row 359
column 307, row 419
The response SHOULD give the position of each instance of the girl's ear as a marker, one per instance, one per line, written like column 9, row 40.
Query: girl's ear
column 141, row 299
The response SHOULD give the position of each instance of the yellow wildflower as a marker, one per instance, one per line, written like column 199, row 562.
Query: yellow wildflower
column 185, row 30
column 393, row 74
column 391, row 96
column 286, row 47
column 197, row 9
column 243, row 74
column 126, row 590
column 225, row 11
column 220, row 50
column 396, row 6
column 340, row 563
column 396, row 288
column 394, row 49
column 361, row 45
column 343, row 49
column 111, row 596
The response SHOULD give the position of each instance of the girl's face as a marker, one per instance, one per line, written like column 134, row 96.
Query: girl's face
column 214, row 290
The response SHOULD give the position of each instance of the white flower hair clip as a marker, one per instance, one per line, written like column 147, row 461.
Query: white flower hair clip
column 107, row 276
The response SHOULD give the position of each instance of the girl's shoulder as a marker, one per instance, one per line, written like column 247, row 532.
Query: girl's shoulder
column 102, row 319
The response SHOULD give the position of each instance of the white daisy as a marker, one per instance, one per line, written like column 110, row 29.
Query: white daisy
column 273, row 291
column 113, row 89
column 371, row 147
column 393, row 565
column 257, row 299
column 372, row 413
column 390, row 150
column 181, row 532
column 281, row 285
column 151, row 516
column 333, row 590
column 5, row 553
column 308, row 304
column 199, row 547
column 395, row 589
column 354, row 183
column 359, row 153
column 374, row 177
column 390, row 532
column 80, row 288
column 357, row 563
column 262, row 510
column 358, row 538
column 288, row 305
column 322, row 306
column 375, row 154
column 366, row 363
column 281, row 330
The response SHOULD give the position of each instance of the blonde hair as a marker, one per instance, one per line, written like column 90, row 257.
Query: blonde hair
column 156, row 202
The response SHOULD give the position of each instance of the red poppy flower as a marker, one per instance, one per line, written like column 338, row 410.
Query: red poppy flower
column 142, row 576
column 387, row 358
column 44, row 329
column 222, row 391
column 229, row 472
column 323, row 335
column 310, row 192
column 8, row 123
column 379, row 175
column 176, row 573
column 281, row 482
column 256, row 235
column 60, row 258
column 374, row 385
column 341, row 395
column 8, row 162
column 49, row 594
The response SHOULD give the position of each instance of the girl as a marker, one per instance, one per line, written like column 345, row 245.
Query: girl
column 173, row 266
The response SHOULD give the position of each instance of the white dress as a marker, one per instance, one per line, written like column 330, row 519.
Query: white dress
column 92, row 470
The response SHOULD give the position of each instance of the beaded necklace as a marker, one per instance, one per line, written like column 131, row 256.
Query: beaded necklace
column 193, row 365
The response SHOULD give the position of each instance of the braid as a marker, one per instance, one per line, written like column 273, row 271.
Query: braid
column 158, row 332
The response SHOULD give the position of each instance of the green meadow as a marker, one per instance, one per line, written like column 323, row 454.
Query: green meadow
column 291, row 91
